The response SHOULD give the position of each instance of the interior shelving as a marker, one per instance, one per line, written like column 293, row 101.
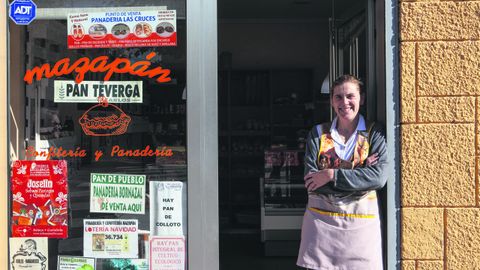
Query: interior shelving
column 258, row 110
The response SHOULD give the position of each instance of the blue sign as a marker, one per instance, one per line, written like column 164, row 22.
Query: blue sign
column 22, row 11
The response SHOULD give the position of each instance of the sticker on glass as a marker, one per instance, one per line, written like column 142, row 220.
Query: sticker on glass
column 39, row 198
column 167, row 203
column 117, row 193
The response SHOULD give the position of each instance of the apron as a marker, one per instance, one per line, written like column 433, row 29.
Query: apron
column 341, row 233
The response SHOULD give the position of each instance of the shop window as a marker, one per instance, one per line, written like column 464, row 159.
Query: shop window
column 54, row 48
column 37, row 61
column 102, row 177
column 40, row 42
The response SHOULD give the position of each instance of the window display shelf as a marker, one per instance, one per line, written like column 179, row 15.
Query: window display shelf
column 296, row 186
column 276, row 210
column 250, row 133
column 298, row 106
column 247, row 154
column 251, row 177
column 283, row 196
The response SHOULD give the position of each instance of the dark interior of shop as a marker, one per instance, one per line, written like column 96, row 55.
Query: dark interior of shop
column 274, row 63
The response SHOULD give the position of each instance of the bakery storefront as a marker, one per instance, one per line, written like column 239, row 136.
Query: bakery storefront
column 98, row 136
column 133, row 141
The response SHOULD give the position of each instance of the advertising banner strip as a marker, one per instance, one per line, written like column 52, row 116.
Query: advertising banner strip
column 137, row 264
column 39, row 198
column 122, row 29
column 75, row 263
column 28, row 253
column 90, row 91
column 110, row 238
column 117, row 193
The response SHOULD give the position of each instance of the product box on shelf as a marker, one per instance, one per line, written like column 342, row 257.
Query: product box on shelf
column 283, row 164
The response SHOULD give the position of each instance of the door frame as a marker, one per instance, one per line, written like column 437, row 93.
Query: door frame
column 392, row 124
column 4, row 124
column 202, row 135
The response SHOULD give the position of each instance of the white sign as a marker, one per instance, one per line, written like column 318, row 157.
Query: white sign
column 90, row 91
column 117, row 193
column 167, row 253
column 110, row 238
column 166, row 208
column 29, row 253
column 75, row 263
column 122, row 29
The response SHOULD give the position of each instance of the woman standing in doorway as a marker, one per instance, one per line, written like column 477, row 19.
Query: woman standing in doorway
column 345, row 163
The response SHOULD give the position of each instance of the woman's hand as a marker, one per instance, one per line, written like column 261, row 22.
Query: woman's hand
column 371, row 160
column 318, row 179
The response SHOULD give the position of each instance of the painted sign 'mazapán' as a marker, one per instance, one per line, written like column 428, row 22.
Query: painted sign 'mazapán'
column 98, row 64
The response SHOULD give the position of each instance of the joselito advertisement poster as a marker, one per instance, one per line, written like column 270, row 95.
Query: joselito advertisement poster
column 110, row 238
column 90, row 91
column 39, row 199
column 122, row 29
column 117, row 193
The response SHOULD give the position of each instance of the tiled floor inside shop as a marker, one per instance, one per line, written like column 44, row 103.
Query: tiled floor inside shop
column 245, row 251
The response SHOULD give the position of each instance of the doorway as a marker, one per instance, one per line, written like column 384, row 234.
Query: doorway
column 276, row 62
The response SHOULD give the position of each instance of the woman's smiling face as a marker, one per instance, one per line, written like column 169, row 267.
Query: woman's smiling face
column 346, row 100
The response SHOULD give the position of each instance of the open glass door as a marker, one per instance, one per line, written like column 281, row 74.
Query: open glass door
column 352, row 46
column 353, row 51
column 270, row 96
column 99, row 177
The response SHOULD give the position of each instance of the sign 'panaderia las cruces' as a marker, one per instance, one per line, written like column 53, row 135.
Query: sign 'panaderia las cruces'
column 90, row 91
column 100, row 64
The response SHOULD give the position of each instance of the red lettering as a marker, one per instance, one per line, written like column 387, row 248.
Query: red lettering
column 99, row 64
column 145, row 152
column 59, row 152
column 39, row 72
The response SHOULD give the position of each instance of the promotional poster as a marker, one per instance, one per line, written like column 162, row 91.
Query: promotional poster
column 90, row 91
column 29, row 253
column 166, row 208
column 124, row 29
column 117, row 193
column 110, row 238
column 39, row 198
column 75, row 263
column 167, row 253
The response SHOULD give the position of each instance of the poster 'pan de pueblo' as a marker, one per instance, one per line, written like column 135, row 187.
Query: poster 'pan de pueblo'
column 122, row 29
column 117, row 193
column 39, row 199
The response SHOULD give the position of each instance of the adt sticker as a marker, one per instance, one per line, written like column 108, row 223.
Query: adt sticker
column 22, row 12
